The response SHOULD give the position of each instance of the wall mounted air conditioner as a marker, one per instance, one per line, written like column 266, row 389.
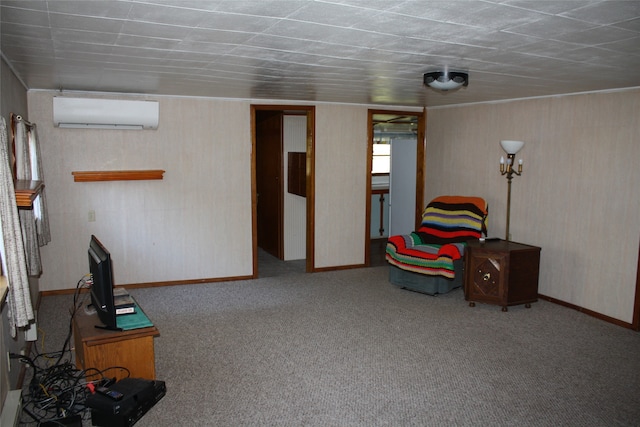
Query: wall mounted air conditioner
column 92, row 113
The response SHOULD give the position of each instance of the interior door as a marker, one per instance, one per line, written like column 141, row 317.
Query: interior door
column 269, row 179
column 402, row 186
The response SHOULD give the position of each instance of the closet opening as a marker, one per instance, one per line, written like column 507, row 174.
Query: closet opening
column 283, row 192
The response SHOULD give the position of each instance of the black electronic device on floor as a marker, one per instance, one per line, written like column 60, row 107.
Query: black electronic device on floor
column 125, row 402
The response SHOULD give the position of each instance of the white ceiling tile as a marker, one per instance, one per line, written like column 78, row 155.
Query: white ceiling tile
column 79, row 48
column 598, row 35
column 237, row 23
column 21, row 4
column 27, row 17
column 359, row 51
column 87, row 23
column 549, row 7
column 550, row 27
column 632, row 24
column 25, row 32
column 261, row 8
column 331, row 14
column 171, row 15
column 628, row 47
column 217, row 37
column 100, row 9
column 605, row 12
column 154, row 43
column 65, row 35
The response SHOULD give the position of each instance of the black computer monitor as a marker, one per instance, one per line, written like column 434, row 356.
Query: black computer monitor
column 102, row 286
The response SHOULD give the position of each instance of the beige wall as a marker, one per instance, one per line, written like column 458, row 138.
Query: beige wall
column 196, row 222
column 341, row 174
column 578, row 197
column 294, row 139
column 193, row 224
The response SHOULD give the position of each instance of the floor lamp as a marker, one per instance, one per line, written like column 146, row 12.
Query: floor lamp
column 511, row 148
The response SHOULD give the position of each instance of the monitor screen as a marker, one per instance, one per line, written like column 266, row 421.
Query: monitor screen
column 102, row 284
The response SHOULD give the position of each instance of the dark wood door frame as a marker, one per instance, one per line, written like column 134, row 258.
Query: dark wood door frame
column 310, row 112
column 420, row 170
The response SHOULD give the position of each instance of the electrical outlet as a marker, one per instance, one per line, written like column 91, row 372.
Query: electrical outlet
column 92, row 216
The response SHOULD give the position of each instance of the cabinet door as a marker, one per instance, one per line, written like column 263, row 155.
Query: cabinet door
column 487, row 277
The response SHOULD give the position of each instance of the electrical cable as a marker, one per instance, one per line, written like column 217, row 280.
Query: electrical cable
column 58, row 389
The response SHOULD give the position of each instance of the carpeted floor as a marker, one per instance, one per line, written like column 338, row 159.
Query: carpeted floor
column 271, row 266
column 346, row 348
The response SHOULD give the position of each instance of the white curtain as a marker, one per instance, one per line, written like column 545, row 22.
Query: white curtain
column 40, row 203
column 34, row 222
column 12, row 251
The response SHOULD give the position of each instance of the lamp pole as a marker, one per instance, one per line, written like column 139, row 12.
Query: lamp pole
column 509, row 170
column 509, row 178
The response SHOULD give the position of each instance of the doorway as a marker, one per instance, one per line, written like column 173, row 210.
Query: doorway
column 399, row 135
column 282, row 212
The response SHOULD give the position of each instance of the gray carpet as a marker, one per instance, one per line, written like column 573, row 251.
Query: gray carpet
column 346, row 348
column 270, row 266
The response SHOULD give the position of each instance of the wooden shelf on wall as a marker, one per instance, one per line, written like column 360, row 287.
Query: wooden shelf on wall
column 26, row 192
column 130, row 175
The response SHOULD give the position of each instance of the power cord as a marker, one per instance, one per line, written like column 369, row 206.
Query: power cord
column 57, row 388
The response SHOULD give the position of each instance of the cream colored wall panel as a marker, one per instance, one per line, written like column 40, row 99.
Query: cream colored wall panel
column 295, row 207
column 197, row 220
column 577, row 198
column 195, row 223
column 341, row 173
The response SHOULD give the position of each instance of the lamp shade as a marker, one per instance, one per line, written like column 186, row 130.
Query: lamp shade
column 510, row 146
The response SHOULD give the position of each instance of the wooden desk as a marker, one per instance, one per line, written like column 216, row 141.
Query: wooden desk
column 102, row 349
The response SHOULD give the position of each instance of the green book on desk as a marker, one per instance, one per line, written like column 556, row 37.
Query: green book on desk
column 135, row 320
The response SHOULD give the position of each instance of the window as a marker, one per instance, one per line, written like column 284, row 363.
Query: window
column 381, row 156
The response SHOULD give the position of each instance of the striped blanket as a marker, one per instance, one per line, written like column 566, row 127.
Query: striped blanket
column 447, row 223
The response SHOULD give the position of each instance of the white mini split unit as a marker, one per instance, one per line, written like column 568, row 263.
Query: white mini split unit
column 92, row 113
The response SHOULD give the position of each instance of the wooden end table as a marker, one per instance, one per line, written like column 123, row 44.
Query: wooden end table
column 501, row 272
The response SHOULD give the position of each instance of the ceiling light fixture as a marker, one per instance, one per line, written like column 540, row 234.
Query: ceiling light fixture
column 446, row 80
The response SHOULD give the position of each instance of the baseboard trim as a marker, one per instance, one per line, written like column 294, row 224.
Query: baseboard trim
column 154, row 284
column 339, row 267
column 185, row 282
column 586, row 311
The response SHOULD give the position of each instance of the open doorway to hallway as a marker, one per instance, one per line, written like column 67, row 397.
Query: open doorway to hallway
column 396, row 184
column 282, row 138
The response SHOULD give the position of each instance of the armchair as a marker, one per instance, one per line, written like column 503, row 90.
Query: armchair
column 430, row 259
